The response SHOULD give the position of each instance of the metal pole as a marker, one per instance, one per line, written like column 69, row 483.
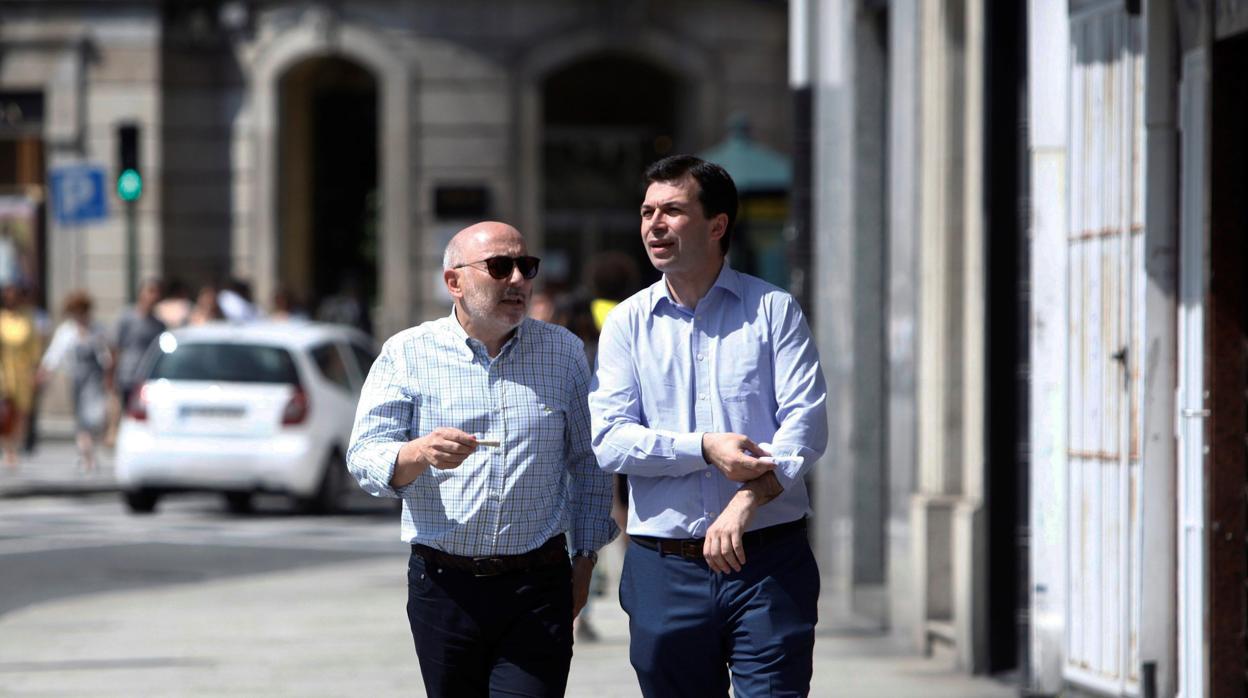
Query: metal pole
column 132, row 253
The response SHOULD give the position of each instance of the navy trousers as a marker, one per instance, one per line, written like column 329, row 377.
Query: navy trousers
column 690, row 627
column 505, row 635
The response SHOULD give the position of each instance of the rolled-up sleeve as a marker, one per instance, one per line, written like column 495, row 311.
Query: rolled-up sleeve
column 621, row 442
column 801, row 393
column 382, row 424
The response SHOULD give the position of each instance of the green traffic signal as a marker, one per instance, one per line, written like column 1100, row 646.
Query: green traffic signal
column 129, row 185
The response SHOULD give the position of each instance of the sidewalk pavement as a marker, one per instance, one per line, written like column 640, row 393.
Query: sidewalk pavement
column 335, row 630
column 53, row 470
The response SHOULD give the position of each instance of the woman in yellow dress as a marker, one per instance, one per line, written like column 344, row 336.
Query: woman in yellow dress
column 19, row 358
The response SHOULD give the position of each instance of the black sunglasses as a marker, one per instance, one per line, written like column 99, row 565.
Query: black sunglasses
column 500, row 267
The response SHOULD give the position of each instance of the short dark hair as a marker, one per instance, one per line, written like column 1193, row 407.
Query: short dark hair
column 716, row 191
column 613, row 275
column 77, row 303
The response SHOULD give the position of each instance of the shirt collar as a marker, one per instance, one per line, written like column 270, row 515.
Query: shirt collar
column 728, row 279
column 462, row 339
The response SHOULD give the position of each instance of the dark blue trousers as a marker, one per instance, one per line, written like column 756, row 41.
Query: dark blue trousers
column 506, row 635
column 690, row 627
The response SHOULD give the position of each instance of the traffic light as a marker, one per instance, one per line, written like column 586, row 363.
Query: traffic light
column 129, row 177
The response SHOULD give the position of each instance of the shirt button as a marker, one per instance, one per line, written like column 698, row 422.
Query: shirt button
column 702, row 396
column 700, row 357
column 708, row 473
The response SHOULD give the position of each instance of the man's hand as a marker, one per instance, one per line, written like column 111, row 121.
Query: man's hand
column 443, row 448
column 724, row 547
column 582, row 570
column 735, row 455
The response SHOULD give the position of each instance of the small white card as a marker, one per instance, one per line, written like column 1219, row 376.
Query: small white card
column 784, row 461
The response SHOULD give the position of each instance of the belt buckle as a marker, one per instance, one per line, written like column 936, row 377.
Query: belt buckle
column 691, row 549
column 487, row 566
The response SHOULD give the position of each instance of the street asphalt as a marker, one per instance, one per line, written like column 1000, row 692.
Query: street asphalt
column 336, row 629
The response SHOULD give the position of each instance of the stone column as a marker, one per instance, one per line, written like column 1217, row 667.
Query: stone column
column 850, row 242
column 905, row 123
column 949, row 554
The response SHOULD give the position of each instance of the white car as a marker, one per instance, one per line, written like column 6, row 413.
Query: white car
column 244, row 408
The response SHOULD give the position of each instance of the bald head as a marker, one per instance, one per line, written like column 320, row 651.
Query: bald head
column 488, row 307
column 468, row 244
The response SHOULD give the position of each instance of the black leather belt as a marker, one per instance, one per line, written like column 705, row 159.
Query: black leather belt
column 691, row 548
column 549, row 554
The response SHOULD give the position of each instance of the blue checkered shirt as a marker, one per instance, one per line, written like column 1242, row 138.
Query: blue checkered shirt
column 541, row 481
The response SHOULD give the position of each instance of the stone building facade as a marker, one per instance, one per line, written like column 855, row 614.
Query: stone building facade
column 299, row 145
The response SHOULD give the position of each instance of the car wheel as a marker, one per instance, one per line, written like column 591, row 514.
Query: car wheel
column 238, row 502
column 141, row 501
column 326, row 498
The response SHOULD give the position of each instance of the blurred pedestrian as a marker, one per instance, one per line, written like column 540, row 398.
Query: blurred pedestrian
column 548, row 307
column 478, row 422
column 574, row 311
column 613, row 277
column 235, row 302
column 20, row 347
column 43, row 326
column 174, row 308
column 696, row 374
column 206, row 308
column 79, row 341
column 285, row 307
column 136, row 328
column 542, row 307
column 348, row 306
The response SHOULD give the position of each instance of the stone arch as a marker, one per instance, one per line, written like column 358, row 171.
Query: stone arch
column 255, row 250
column 692, row 65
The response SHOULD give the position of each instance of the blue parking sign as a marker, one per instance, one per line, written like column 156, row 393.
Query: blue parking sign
column 78, row 194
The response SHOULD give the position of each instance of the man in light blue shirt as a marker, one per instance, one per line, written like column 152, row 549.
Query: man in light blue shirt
column 478, row 421
column 709, row 396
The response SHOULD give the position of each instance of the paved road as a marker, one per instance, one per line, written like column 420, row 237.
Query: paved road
column 51, row 548
column 197, row 602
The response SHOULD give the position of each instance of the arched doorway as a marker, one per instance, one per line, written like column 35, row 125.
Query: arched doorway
column 605, row 117
column 328, row 199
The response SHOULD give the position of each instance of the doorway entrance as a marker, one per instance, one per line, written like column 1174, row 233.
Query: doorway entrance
column 1225, row 370
column 327, row 183
column 23, row 171
column 605, row 118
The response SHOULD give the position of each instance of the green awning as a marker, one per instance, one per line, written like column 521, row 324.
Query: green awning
column 754, row 167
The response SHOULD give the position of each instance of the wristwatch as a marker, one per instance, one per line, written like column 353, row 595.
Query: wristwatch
column 592, row 555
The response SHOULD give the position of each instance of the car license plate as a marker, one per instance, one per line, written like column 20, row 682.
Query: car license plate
column 211, row 411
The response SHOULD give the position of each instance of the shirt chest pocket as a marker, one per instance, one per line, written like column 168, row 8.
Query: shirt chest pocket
column 743, row 363
column 434, row 411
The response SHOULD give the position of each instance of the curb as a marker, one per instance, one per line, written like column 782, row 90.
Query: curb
column 54, row 489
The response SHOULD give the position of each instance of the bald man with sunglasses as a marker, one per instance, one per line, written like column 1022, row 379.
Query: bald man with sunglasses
column 479, row 423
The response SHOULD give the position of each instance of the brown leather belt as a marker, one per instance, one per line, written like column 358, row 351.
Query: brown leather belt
column 691, row 548
column 552, row 552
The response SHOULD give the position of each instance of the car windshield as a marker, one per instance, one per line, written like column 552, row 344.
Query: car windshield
column 234, row 363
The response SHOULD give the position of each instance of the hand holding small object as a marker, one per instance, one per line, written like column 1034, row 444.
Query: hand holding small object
column 446, row 448
column 783, row 461
column 735, row 455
